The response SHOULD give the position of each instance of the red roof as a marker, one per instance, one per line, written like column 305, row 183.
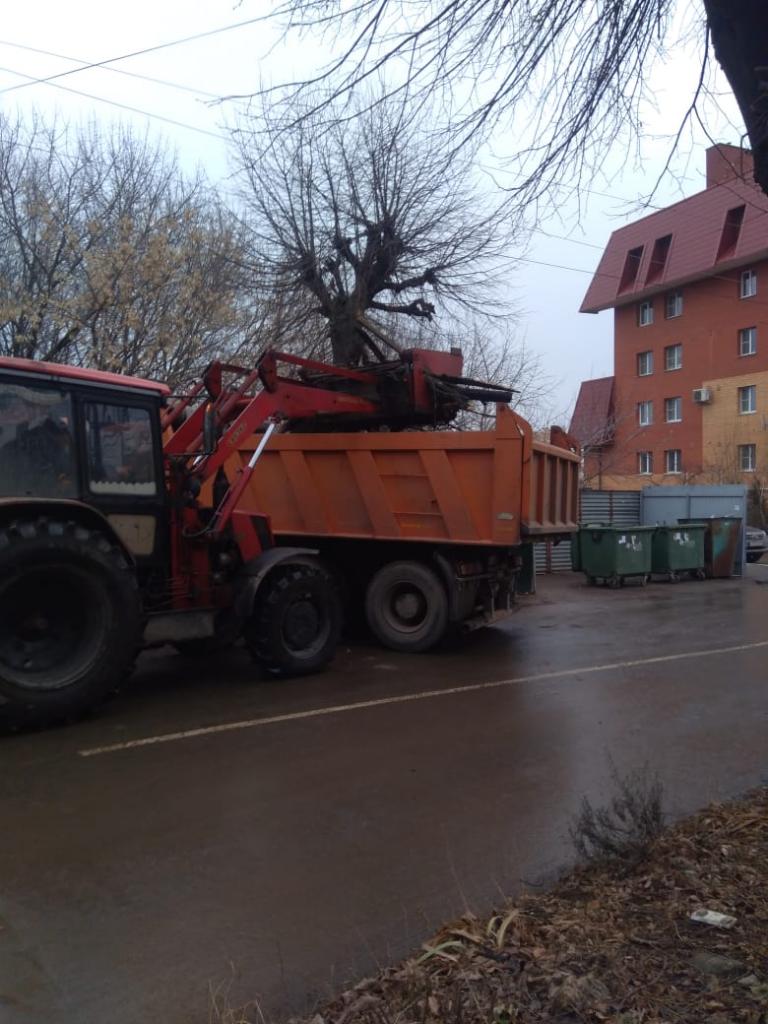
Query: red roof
column 696, row 228
column 592, row 420
column 84, row 376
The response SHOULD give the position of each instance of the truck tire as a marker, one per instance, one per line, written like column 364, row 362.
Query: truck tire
column 407, row 607
column 296, row 622
column 70, row 620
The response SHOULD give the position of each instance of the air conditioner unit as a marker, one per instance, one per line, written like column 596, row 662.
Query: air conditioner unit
column 702, row 396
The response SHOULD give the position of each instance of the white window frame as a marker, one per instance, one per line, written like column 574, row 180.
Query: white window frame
column 645, row 459
column 751, row 451
column 645, row 407
column 679, row 407
column 647, row 373
column 747, row 284
column 678, row 460
column 673, row 301
column 751, row 391
column 678, row 349
column 645, row 314
column 751, row 334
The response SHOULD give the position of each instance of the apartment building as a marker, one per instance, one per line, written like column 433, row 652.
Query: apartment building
column 688, row 286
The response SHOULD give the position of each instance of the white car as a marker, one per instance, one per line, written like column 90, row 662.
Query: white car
column 757, row 543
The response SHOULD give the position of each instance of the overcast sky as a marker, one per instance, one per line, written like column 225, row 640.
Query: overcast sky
column 548, row 286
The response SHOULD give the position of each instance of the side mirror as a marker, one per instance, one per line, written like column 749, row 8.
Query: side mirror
column 210, row 433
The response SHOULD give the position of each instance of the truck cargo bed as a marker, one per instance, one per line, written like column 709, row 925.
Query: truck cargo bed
column 494, row 487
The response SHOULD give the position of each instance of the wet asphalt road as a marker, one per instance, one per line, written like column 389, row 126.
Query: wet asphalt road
column 277, row 860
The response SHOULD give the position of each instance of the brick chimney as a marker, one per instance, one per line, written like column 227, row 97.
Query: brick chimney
column 724, row 163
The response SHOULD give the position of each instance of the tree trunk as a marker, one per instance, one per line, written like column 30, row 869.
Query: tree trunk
column 346, row 341
column 740, row 39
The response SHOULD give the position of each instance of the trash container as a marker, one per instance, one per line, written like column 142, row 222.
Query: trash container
column 615, row 553
column 721, row 543
column 678, row 550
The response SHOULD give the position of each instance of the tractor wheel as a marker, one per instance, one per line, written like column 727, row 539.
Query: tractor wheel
column 296, row 621
column 70, row 620
column 407, row 607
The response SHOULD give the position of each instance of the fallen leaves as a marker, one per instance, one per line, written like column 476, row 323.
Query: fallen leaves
column 603, row 946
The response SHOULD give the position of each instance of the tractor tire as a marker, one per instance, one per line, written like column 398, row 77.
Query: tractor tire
column 70, row 620
column 407, row 607
column 296, row 621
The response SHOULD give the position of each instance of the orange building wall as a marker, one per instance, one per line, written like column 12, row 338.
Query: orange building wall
column 708, row 330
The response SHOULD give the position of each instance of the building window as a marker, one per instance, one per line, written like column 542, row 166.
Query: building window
column 673, row 357
column 644, row 364
column 747, row 341
column 748, row 399
column 645, row 463
column 631, row 267
column 645, row 314
column 658, row 260
column 673, row 410
column 730, row 233
column 674, row 460
column 748, row 284
column 747, row 457
column 645, row 413
column 674, row 305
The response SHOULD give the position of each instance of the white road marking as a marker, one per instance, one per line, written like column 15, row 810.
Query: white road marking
column 338, row 709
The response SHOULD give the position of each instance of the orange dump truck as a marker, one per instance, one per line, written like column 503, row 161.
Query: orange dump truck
column 424, row 529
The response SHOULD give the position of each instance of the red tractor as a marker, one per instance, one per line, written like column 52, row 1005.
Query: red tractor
column 107, row 543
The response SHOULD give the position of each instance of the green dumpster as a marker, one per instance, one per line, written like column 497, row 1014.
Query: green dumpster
column 679, row 549
column 615, row 553
column 721, row 543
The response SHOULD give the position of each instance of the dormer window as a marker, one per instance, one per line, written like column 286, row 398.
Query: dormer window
column 729, row 236
column 659, row 256
column 631, row 268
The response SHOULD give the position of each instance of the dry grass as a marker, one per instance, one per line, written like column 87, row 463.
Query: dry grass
column 624, row 830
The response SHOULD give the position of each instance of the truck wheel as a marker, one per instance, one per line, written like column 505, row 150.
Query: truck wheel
column 407, row 607
column 296, row 622
column 69, row 620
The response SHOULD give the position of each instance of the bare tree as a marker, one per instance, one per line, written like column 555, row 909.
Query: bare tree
column 569, row 77
column 110, row 257
column 362, row 221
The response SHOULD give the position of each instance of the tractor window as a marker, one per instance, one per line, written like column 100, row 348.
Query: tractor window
column 37, row 456
column 120, row 451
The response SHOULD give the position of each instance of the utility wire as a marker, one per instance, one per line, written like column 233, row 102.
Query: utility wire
column 114, row 103
column 136, row 53
column 84, row 64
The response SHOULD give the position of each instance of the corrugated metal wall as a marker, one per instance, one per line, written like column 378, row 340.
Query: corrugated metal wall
column 668, row 504
column 621, row 508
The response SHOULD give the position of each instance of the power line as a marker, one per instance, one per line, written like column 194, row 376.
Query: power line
column 135, row 53
column 117, row 71
column 751, row 302
column 115, row 103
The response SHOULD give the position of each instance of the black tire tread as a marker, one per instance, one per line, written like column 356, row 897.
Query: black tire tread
column 439, row 609
column 70, row 535
column 257, row 635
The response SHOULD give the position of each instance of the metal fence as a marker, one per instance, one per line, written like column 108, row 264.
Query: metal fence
column 619, row 508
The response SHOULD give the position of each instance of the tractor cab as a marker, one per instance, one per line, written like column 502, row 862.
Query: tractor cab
column 68, row 434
